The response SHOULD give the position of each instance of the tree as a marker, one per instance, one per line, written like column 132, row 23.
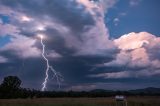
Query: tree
column 11, row 83
column 10, row 87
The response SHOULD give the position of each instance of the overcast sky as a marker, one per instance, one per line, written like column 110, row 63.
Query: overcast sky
column 93, row 44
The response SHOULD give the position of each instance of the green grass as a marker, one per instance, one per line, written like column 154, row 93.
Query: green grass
column 132, row 101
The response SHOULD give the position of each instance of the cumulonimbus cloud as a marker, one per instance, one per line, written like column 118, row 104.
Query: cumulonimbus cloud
column 85, row 32
column 78, row 29
column 138, row 51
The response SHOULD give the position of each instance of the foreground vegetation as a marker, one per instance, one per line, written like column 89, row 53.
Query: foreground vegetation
column 12, row 94
column 132, row 101
column 11, row 89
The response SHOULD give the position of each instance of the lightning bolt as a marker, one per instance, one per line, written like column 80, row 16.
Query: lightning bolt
column 49, row 67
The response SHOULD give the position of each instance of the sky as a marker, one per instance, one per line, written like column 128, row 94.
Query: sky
column 93, row 44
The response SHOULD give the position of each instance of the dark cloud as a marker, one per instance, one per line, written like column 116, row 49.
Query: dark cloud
column 68, row 14
column 74, row 32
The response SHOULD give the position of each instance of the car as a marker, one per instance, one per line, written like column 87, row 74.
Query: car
column 120, row 98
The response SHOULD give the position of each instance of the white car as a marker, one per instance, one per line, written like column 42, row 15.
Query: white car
column 120, row 98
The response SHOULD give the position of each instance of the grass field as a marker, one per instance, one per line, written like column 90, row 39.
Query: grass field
column 132, row 101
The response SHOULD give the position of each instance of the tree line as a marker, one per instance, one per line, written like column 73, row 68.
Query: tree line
column 11, row 88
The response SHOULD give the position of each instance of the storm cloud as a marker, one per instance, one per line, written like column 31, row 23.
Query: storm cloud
column 77, row 41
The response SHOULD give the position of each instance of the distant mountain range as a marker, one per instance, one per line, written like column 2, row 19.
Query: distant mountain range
column 145, row 91
column 150, row 90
